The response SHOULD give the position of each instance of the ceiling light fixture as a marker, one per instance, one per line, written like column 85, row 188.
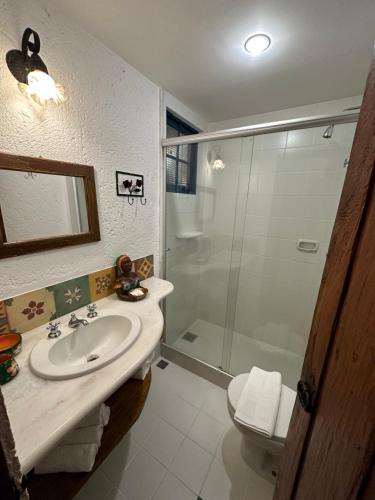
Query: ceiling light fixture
column 31, row 72
column 257, row 44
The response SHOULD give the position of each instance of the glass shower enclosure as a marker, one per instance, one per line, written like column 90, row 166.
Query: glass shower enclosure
column 246, row 248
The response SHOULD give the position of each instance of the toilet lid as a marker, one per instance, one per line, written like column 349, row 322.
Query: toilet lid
column 287, row 399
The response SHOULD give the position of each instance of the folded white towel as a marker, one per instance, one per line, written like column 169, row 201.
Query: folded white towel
column 98, row 416
column 143, row 371
column 84, row 435
column 69, row 458
column 259, row 401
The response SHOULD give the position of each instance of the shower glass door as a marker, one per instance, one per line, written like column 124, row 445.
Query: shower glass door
column 246, row 252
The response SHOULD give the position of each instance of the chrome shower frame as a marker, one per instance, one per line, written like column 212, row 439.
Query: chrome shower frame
column 195, row 365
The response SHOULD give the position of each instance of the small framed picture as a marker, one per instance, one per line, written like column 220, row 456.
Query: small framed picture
column 128, row 184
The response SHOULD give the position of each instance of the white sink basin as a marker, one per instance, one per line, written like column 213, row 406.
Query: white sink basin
column 86, row 349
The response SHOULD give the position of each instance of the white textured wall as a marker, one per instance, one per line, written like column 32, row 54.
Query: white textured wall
column 110, row 121
column 194, row 118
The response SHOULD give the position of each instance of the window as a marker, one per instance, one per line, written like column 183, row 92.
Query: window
column 181, row 160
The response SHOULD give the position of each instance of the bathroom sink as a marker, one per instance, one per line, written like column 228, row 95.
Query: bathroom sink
column 86, row 349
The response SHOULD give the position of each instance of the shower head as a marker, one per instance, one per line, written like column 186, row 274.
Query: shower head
column 327, row 134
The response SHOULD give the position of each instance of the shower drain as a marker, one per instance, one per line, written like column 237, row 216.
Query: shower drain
column 189, row 337
column 92, row 357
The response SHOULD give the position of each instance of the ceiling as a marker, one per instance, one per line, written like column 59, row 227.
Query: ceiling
column 320, row 50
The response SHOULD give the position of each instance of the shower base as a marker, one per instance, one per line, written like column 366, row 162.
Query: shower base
column 246, row 352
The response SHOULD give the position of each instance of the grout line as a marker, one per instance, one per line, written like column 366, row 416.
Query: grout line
column 205, row 477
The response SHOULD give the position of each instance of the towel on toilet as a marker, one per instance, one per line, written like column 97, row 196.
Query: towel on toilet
column 258, row 406
column 98, row 416
column 84, row 435
column 68, row 458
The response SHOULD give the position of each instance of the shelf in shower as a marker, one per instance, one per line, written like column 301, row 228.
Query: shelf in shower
column 189, row 235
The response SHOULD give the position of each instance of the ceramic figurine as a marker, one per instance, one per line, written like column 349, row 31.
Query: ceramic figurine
column 127, row 283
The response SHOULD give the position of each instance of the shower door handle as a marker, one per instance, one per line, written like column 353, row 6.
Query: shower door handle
column 305, row 396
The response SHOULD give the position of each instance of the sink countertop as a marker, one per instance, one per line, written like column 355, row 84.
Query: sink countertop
column 42, row 411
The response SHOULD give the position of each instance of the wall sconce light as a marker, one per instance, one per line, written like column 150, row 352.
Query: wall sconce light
column 218, row 164
column 31, row 72
column 214, row 159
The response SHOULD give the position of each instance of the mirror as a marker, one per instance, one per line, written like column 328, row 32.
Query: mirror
column 45, row 204
column 52, row 205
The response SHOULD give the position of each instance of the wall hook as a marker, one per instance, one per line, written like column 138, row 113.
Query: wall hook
column 129, row 200
column 144, row 202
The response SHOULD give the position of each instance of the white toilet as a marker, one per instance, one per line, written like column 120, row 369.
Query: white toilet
column 273, row 446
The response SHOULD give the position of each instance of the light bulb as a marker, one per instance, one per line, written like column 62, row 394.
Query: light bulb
column 218, row 164
column 42, row 88
column 257, row 44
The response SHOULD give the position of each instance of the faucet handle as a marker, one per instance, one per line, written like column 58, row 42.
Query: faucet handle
column 54, row 331
column 92, row 312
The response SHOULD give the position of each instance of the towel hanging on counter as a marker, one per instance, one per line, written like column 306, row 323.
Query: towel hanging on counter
column 69, row 458
column 84, row 435
column 99, row 415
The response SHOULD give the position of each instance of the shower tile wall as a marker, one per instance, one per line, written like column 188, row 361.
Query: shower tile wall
column 296, row 182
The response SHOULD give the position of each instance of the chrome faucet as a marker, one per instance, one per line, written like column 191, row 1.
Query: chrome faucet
column 54, row 331
column 74, row 322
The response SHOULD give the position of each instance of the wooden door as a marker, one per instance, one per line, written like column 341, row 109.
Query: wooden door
column 329, row 449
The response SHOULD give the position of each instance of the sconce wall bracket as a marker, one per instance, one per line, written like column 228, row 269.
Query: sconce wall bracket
column 20, row 63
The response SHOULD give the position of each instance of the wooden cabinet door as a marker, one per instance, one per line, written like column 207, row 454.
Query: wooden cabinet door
column 329, row 450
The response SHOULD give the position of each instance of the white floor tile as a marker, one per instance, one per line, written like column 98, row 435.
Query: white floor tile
column 164, row 443
column 176, row 411
column 113, row 495
column 187, row 385
column 172, row 489
column 142, row 478
column 210, row 462
column 223, row 484
column 145, row 426
column 206, row 431
column 191, row 465
column 218, row 486
column 216, row 405
column 229, row 449
column 235, row 480
column 120, row 458
column 98, row 488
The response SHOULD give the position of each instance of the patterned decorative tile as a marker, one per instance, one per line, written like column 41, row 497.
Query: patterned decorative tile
column 4, row 326
column 145, row 266
column 101, row 283
column 30, row 310
column 71, row 295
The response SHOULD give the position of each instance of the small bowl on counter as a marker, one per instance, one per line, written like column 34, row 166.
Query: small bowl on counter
column 10, row 343
column 8, row 368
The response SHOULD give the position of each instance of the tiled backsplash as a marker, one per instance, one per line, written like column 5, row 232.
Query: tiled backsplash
column 30, row 310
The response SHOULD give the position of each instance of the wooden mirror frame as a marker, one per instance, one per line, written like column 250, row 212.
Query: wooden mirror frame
column 44, row 166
